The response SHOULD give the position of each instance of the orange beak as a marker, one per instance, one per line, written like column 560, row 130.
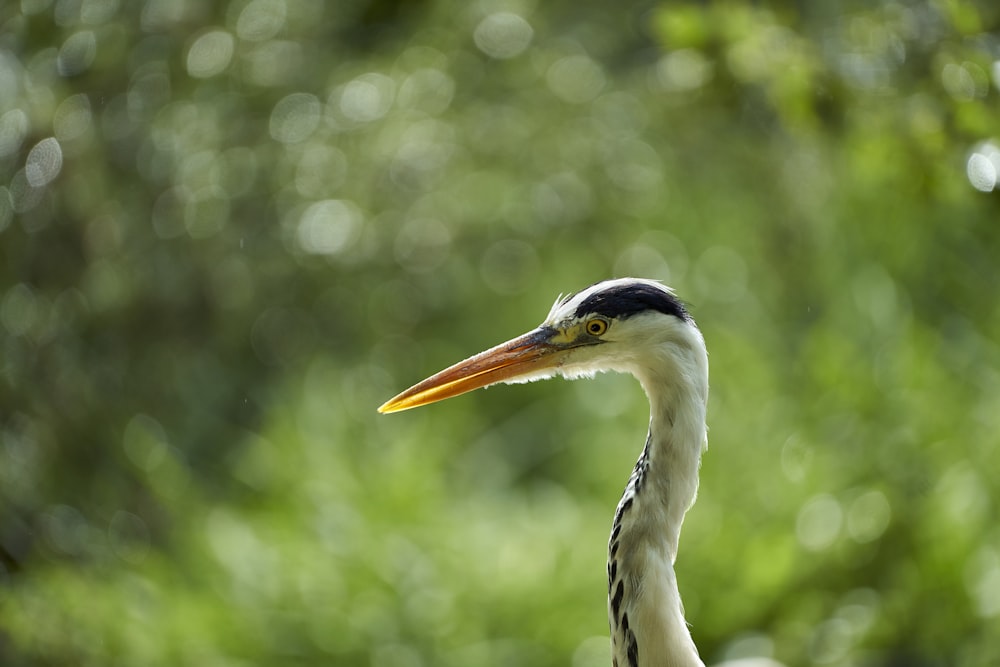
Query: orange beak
column 522, row 357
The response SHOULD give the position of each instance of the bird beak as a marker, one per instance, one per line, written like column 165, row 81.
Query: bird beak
column 518, row 359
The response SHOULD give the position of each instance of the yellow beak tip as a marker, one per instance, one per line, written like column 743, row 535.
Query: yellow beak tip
column 394, row 405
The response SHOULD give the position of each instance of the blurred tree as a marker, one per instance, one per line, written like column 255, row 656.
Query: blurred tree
column 230, row 230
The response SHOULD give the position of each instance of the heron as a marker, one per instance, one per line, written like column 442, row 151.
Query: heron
column 640, row 327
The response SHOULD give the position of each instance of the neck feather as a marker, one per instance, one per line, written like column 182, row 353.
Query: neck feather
column 644, row 606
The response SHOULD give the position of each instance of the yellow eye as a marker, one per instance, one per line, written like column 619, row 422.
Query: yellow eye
column 596, row 327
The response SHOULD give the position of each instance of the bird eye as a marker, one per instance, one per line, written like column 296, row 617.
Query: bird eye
column 596, row 327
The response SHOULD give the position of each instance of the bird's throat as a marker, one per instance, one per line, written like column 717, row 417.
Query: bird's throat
column 644, row 606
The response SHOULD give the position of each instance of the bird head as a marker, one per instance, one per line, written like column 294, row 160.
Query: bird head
column 626, row 325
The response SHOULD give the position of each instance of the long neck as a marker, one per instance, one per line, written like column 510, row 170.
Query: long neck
column 644, row 605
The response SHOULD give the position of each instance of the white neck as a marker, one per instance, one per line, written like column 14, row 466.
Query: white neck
column 644, row 606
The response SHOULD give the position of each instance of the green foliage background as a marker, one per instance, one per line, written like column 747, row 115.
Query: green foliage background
column 231, row 230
